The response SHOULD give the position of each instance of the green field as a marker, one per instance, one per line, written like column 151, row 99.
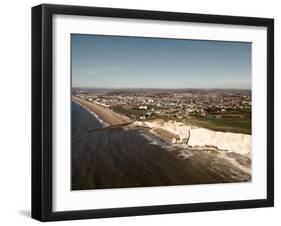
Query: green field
column 231, row 122
column 223, row 124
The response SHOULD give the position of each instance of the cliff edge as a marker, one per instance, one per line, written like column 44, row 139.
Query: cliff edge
column 201, row 137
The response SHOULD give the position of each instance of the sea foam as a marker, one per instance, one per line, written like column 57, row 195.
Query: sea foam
column 103, row 123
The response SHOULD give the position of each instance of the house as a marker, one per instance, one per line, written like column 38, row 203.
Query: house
column 143, row 107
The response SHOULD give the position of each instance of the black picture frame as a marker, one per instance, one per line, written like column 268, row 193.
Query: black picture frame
column 42, row 107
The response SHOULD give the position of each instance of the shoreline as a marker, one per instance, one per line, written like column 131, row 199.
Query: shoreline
column 174, row 133
column 104, row 114
column 110, row 118
column 92, row 113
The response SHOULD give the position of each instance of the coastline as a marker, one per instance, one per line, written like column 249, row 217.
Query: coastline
column 174, row 133
column 92, row 113
column 140, row 158
column 108, row 116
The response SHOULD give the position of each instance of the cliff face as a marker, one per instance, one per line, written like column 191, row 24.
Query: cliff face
column 200, row 137
column 233, row 142
column 174, row 127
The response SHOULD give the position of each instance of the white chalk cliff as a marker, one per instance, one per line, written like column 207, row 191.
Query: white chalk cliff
column 201, row 137
column 232, row 142
column 174, row 127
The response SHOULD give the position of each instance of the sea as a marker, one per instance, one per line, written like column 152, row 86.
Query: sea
column 122, row 158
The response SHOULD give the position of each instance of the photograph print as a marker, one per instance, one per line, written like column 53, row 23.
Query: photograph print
column 159, row 112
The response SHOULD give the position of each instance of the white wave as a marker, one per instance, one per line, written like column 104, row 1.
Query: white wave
column 103, row 123
column 150, row 139
column 234, row 162
column 185, row 154
column 156, row 140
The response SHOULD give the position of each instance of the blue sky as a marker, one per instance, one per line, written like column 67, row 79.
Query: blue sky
column 136, row 62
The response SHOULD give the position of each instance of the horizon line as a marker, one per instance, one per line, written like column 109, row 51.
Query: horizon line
column 157, row 88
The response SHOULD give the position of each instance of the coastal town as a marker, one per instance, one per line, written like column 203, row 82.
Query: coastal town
column 208, row 119
column 211, row 107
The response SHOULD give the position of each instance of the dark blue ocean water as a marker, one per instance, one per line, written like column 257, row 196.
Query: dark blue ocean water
column 116, row 158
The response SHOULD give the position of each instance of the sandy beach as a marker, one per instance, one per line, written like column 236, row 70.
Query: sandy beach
column 105, row 114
